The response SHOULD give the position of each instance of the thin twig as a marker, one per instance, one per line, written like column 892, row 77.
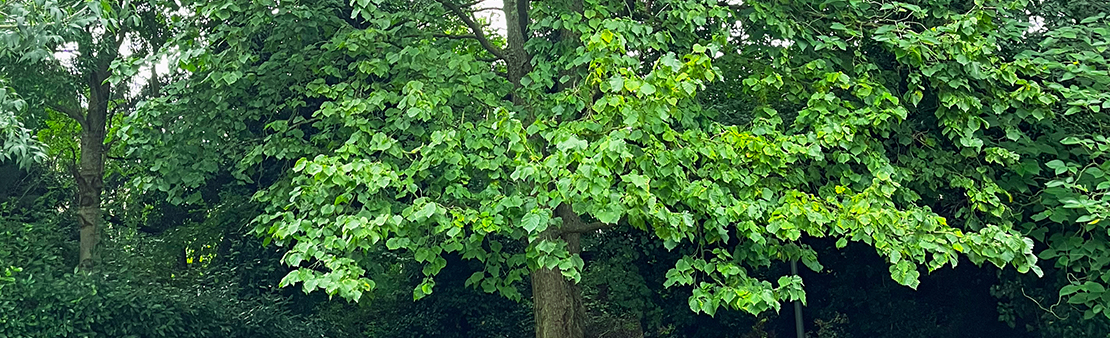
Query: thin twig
column 1049, row 309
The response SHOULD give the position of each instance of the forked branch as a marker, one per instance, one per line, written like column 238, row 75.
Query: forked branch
column 475, row 28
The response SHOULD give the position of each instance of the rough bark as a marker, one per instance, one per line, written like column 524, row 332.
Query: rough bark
column 90, row 166
column 558, row 307
column 518, row 62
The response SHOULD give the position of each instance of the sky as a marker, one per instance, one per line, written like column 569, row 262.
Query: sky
column 496, row 17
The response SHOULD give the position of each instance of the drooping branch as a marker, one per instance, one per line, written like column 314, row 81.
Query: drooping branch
column 474, row 27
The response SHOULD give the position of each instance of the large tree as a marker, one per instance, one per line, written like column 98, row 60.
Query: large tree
column 729, row 132
column 65, row 56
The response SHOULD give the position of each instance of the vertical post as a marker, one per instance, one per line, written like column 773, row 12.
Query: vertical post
column 799, row 326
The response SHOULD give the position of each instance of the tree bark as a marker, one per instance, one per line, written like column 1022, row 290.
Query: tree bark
column 90, row 167
column 518, row 62
column 558, row 307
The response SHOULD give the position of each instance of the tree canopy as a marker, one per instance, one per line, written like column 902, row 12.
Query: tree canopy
column 724, row 137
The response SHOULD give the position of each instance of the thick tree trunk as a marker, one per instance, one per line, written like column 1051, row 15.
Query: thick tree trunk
column 558, row 306
column 90, row 169
column 557, row 302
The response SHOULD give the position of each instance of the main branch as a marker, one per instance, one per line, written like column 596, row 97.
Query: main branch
column 71, row 112
column 587, row 228
column 474, row 27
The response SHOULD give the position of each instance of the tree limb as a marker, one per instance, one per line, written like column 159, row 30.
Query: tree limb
column 71, row 112
column 456, row 36
column 572, row 223
column 474, row 27
column 585, row 228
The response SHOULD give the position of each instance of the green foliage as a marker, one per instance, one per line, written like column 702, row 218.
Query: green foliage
column 396, row 148
column 1043, row 312
column 1065, row 210
column 16, row 142
column 1080, row 193
column 383, row 130
column 7, row 277
column 46, row 299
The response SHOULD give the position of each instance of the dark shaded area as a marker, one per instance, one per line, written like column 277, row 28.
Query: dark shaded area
column 856, row 294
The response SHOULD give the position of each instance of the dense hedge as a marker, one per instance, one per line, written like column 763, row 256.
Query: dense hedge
column 47, row 299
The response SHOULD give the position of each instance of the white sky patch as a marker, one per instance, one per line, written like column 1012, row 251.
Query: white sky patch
column 492, row 11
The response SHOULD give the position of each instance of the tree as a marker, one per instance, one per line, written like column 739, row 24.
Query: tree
column 63, row 56
column 17, row 142
column 729, row 132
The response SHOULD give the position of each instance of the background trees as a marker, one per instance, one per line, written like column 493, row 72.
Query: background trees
column 599, row 163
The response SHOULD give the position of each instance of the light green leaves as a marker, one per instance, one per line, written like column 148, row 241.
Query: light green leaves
column 425, row 212
column 231, row 77
column 640, row 181
column 1058, row 166
column 572, row 142
column 536, row 221
column 8, row 276
column 16, row 142
column 671, row 127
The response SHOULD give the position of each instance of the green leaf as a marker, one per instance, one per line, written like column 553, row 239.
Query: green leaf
column 396, row 243
column 425, row 212
column 616, row 83
column 572, row 142
column 1069, row 289
column 1057, row 165
column 535, row 222
column 688, row 87
column 232, row 77
column 637, row 180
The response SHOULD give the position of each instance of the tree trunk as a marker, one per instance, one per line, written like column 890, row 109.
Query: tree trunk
column 557, row 302
column 90, row 170
column 90, row 182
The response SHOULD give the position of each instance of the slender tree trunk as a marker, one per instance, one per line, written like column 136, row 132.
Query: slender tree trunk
column 90, row 167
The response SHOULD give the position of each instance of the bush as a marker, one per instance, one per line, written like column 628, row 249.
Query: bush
column 48, row 299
